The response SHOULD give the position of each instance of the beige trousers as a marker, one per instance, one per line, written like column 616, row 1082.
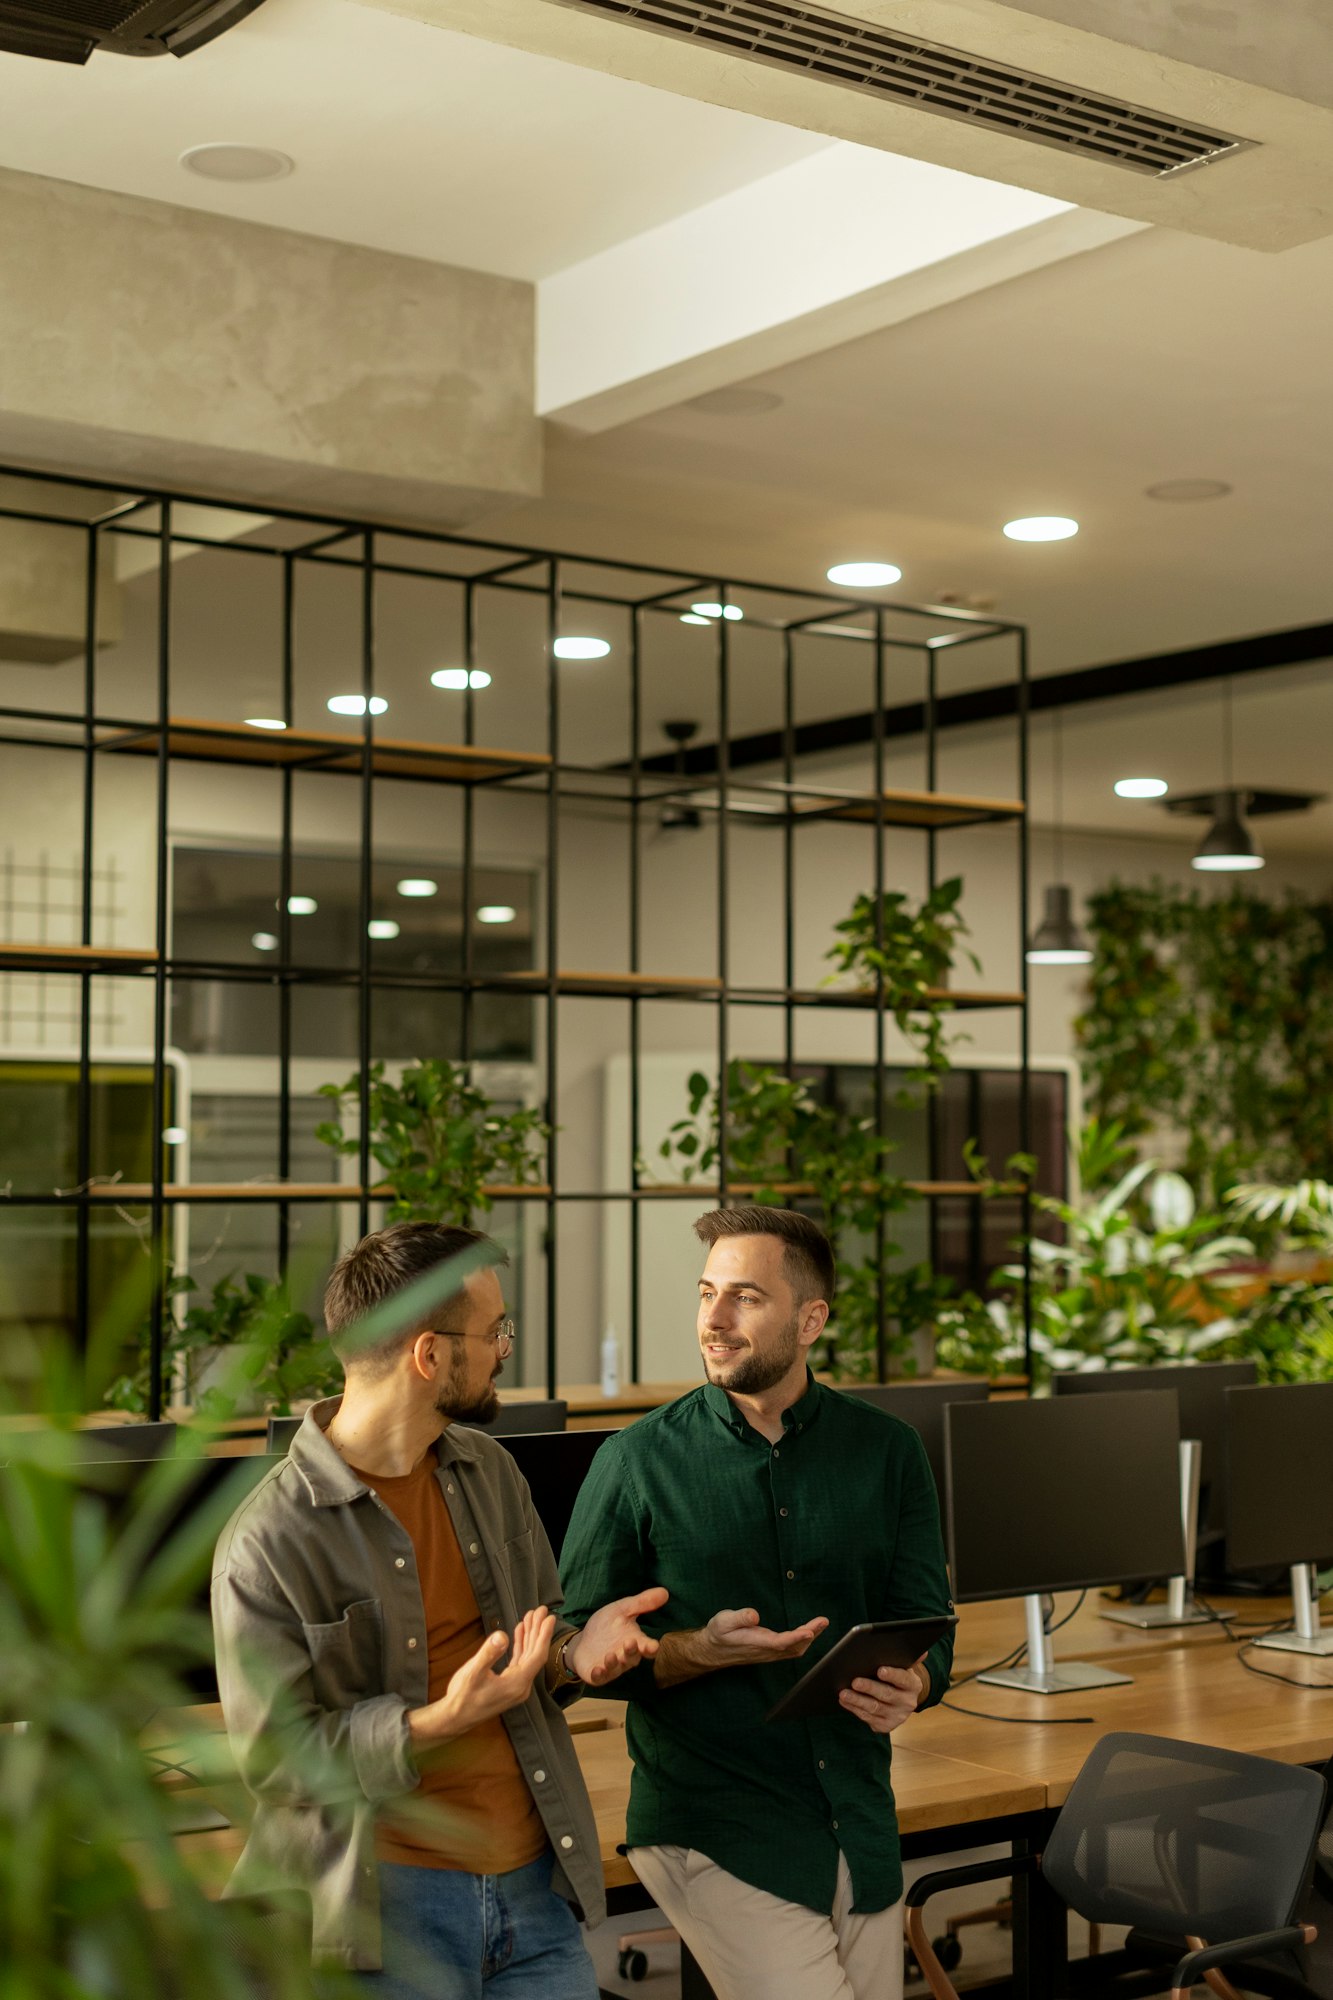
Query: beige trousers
column 753, row 1946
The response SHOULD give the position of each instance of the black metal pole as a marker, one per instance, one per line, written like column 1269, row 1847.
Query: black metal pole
column 635, row 965
column 84, row 1140
column 365, row 900
column 881, row 1299
column 469, row 821
column 789, row 855
column 552, row 963
column 1024, row 1018
column 285, row 995
column 723, row 893
column 932, row 878
column 157, row 1234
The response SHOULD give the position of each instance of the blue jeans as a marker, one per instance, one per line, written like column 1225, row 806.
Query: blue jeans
column 451, row 1936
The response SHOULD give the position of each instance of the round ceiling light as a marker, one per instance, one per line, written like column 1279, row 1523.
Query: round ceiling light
column 581, row 649
column 710, row 612
column 864, row 575
column 496, row 913
column 1041, row 528
column 1188, row 489
column 459, row 679
column 694, row 618
column 264, row 941
column 227, row 162
column 302, row 906
column 263, row 722
column 382, row 927
column 418, row 885
column 735, row 402
column 355, row 704
column 1141, row 788
column 175, row 1135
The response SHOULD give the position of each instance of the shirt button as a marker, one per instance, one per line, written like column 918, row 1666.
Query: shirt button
column 474, row 1547
column 400, row 1562
column 411, row 1645
column 448, row 1489
column 565, row 1841
column 790, row 1575
column 781, row 1510
column 835, row 1826
column 539, row 1777
column 821, row 1763
column 775, row 1451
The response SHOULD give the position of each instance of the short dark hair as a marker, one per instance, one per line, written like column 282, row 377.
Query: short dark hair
column 807, row 1254
column 383, row 1263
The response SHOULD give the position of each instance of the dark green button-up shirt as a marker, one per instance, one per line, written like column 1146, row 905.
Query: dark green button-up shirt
column 839, row 1520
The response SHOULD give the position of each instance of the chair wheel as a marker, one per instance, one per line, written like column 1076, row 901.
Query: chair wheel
column 948, row 1950
column 632, row 1965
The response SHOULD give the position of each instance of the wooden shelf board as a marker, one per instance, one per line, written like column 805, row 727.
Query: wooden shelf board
column 925, row 809
column 616, row 985
column 233, row 743
column 74, row 958
column 186, row 1191
column 956, row 999
column 678, row 1190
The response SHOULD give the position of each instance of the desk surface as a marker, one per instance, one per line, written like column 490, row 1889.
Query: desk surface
column 987, row 1632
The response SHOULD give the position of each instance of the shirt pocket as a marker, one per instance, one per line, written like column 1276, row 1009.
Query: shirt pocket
column 518, row 1561
column 347, row 1655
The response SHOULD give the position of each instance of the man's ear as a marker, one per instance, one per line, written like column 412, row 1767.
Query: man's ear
column 424, row 1356
column 814, row 1319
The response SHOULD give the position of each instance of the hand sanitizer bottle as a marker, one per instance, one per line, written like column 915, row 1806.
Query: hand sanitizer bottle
column 610, row 1363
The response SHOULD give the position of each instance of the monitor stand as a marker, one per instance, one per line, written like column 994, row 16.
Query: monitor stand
column 1307, row 1637
column 1180, row 1608
column 1042, row 1675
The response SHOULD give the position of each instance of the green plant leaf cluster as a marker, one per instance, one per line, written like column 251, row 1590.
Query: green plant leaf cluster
column 439, row 1142
column 883, row 941
column 1213, row 1016
column 281, row 1357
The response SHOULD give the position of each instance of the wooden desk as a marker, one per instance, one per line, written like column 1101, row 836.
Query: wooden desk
column 989, row 1631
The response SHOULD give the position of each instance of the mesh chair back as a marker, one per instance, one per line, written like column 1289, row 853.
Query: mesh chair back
column 1183, row 1840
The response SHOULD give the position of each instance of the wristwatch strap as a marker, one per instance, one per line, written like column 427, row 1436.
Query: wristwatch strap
column 568, row 1678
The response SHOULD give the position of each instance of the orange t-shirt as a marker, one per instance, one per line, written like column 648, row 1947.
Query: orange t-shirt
column 488, row 1822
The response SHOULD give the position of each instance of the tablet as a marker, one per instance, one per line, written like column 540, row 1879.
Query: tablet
column 858, row 1656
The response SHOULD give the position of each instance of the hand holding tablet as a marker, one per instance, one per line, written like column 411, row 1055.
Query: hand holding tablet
column 858, row 1655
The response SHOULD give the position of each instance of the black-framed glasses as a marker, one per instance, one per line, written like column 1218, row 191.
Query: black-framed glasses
column 502, row 1336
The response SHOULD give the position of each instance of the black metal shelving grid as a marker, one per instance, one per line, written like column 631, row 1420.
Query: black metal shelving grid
column 637, row 787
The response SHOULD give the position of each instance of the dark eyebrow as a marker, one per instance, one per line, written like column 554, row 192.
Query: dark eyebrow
column 736, row 1285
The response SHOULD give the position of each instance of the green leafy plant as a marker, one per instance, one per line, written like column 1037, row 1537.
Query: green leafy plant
column 439, row 1141
column 280, row 1356
column 911, row 952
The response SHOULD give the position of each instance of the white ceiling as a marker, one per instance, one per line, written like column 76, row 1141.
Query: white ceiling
column 406, row 138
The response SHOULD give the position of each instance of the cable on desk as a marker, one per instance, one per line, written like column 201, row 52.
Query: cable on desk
column 1029, row 1721
column 1267, row 1673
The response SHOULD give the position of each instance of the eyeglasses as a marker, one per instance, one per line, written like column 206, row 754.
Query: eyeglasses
column 502, row 1337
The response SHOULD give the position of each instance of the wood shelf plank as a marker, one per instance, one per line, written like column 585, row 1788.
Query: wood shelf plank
column 74, row 958
column 921, row 809
column 135, row 1192
column 613, row 985
column 321, row 750
column 956, row 999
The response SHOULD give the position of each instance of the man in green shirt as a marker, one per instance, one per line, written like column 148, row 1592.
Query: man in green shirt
column 776, row 1513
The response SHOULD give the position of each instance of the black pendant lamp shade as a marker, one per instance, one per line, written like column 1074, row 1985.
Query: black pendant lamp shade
column 1228, row 847
column 1058, row 940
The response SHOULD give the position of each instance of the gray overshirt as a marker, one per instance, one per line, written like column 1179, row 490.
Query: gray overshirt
column 321, row 1652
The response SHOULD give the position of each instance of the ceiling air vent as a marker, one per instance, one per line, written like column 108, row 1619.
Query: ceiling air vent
column 860, row 56
column 71, row 30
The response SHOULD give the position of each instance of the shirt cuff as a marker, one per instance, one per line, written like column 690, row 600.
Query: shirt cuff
column 381, row 1748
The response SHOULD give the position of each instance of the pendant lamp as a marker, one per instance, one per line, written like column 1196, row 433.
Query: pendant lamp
column 1228, row 847
column 1058, row 939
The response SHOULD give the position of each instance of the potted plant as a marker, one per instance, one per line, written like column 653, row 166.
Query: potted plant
column 440, row 1143
column 239, row 1349
column 912, row 953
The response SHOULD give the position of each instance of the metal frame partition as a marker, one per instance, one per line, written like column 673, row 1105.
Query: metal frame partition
column 703, row 781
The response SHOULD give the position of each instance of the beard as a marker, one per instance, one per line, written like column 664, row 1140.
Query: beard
column 461, row 1402
column 751, row 1373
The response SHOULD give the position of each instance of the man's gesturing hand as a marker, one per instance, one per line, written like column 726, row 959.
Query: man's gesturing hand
column 731, row 1639
column 885, row 1702
column 611, row 1642
column 477, row 1693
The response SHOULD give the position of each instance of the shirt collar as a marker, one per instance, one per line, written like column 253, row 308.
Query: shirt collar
column 327, row 1474
column 797, row 1417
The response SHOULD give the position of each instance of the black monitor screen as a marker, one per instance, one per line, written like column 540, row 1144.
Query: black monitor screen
column 555, row 1465
column 1062, row 1495
column 921, row 1404
column 1280, row 1473
column 1201, row 1394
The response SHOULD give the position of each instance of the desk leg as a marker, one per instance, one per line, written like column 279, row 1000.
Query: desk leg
column 1041, row 1934
column 693, row 1985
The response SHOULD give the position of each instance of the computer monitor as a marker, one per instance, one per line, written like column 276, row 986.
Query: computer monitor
column 555, row 1465
column 132, row 1441
column 1201, row 1389
column 1280, row 1495
column 921, row 1404
column 1061, row 1494
column 517, row 1418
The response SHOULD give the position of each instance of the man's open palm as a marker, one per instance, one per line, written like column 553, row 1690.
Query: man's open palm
column 611, row 1642
column 738, row 1639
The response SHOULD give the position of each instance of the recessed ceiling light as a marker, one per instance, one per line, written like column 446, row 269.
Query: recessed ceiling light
column 459, row 679
column 496, row 913
column 226, row 162
column 1041, row 528
column 264, row 941
column 712, row 611
column 1188, row 489
column 1141, row 788
column 355, row 704
column 175, row 1135
column 581, row 649
column 382, row 927
column 302, row 906
column 694, row 618
column 736, row 402
column 418, row 885
column 263, row 722
column 864, row 575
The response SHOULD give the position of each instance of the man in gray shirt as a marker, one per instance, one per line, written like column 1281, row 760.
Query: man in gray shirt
column 392, row 1667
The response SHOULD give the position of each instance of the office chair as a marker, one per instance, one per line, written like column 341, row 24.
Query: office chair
column 520, row 1419
column 1208, row 1851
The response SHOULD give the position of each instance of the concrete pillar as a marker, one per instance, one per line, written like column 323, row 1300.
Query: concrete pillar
column 148, row 342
